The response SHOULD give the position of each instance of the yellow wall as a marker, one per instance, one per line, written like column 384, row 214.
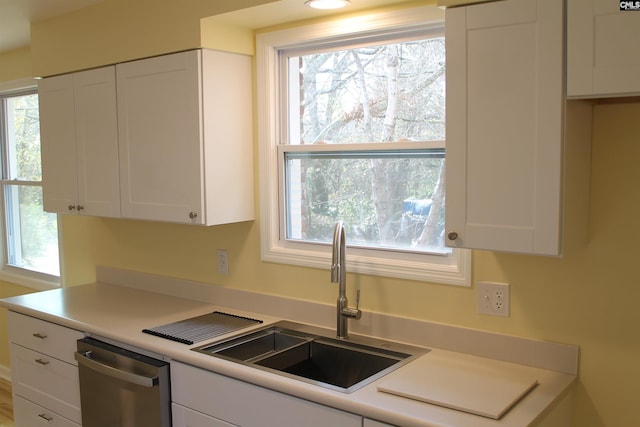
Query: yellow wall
column 15, row 64
column 121, row 30
column 587, row 298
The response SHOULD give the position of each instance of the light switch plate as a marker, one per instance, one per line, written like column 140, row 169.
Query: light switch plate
column 223, row 261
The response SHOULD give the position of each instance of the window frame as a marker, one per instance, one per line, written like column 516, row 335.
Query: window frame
column 454, row 269
column 10, row 273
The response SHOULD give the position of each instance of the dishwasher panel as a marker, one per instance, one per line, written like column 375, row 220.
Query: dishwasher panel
column 121, row 388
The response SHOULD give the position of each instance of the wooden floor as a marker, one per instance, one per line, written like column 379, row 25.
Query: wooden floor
column 6, row 405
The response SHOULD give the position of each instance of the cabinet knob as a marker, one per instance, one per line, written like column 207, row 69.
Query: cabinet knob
column 193, row 215
column 40, row 335
column 72, row 207
column 80, row 208
column 42, row 362
column 452, row 235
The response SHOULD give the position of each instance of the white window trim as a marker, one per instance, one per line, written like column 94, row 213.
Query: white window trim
column 8, row 273
column 455, row 270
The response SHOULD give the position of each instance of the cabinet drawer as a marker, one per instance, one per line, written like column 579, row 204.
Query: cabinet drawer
column 185, row 417
column 44, row 337
column 373, row 423
column 28, row 414
column 228, row 399
column 46, row 381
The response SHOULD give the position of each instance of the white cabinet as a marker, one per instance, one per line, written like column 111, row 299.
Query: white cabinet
column 166, row 138
column 602, row 49
column 28, row 414
column 373, row 423
column 505, row 126
column 185, row 417
column 246, row 405
column 44, row 374
column 185, row 136
column 79, row 132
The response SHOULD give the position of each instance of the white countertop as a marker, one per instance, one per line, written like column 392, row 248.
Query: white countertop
column 120, row 313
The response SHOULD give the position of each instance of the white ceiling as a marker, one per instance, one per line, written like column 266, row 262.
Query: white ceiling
column 16, row 16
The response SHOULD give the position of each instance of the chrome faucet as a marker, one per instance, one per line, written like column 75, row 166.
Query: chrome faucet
column 339, row 275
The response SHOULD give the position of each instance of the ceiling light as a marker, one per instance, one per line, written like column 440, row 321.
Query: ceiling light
column 327, row 4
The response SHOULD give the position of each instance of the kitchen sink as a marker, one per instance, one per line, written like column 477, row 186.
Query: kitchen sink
column 312, row 355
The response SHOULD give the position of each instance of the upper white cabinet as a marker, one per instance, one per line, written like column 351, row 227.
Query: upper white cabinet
column 185, row 137
column 505, row 125
column 602, row 49
column 166, row 138
column 79, row 132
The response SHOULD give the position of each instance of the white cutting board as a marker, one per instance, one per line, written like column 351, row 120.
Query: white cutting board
column 471, row 384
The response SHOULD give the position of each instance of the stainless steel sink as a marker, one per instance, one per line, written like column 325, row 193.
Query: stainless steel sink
column 311, row 354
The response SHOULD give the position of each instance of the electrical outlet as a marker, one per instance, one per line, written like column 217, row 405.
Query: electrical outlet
column 493, row 298
column 223, row 261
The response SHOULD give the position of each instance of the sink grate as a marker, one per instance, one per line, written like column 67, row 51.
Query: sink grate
column 201, row 328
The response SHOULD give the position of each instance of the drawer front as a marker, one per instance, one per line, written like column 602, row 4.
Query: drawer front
column 44, row 337
column 372, row 423
column 47, row 381
column 227, row 399
column 28, row 414
column 185, row 417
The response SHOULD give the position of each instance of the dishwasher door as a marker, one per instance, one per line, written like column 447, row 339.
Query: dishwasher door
column 121, row 388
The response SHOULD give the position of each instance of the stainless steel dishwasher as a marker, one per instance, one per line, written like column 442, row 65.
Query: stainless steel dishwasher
column 121, row 388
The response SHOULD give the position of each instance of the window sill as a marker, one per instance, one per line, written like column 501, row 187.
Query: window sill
column 452, row 270
column 32, row 281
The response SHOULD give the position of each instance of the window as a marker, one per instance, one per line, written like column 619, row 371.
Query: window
column 30, row 243
column 352, row 128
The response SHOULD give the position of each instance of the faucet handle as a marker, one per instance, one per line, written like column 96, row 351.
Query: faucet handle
column 354, row 313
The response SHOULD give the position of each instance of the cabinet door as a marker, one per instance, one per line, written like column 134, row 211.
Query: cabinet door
column 78, row 126
column 58, row 144
column 505, row 111
column 47, row 381
column 160, row 137
column 602, row 49
column 44, row 337
column 226, row 399
column 28, row 414
column 373, row 423
column 97, row 142
column 185, row 417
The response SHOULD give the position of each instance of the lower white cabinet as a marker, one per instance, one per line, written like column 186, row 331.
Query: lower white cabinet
column 373, row 423
column 28, row 414
column 44, row 374
column 246, row 405
column 185, row 417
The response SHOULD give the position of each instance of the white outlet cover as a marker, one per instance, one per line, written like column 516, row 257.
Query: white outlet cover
column 223, row 261
column 493, row 299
